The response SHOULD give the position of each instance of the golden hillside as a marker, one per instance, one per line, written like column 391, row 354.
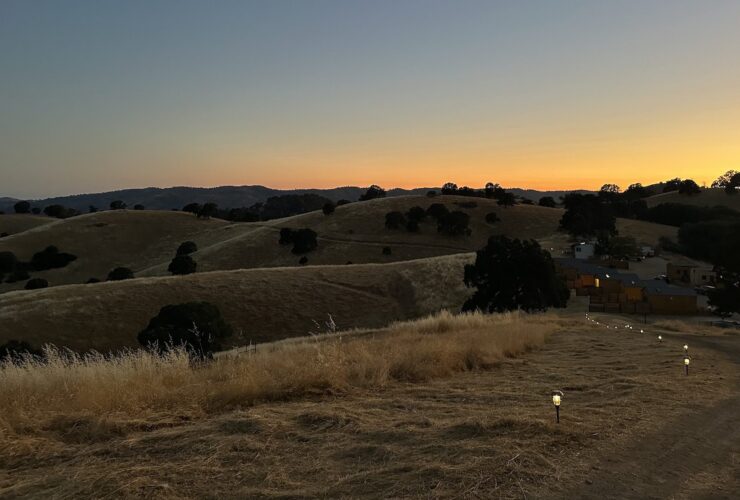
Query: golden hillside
column 708, row 198
column 18, row 223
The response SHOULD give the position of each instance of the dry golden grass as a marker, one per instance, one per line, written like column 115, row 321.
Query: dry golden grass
column 707, row 198
column 136, row 385
column 357, row 433
column 17, row 223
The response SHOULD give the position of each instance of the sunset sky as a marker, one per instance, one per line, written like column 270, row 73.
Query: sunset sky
column 101, row 95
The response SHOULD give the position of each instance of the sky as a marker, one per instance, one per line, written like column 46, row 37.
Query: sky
column 101, row 95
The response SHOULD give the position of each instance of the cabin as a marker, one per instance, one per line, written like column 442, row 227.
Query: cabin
column 691, row 274
column 584, row 250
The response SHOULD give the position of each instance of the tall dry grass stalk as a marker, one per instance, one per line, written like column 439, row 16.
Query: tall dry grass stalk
column 139, row 386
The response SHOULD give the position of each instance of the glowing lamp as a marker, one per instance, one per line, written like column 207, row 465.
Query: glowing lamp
column 686, row 361
column 642, row 331
column 660, row 338
column 556, row 398
column 686, row 348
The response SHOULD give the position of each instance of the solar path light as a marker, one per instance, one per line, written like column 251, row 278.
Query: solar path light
column 556, row 398
column 660, row 338
column 686, row 362
column 686, row 348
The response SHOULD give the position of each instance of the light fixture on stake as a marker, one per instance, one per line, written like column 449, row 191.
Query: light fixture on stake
column 686, row 348
column 660, row 338
column 556, row 398
column 686, row 362
column 642, row 331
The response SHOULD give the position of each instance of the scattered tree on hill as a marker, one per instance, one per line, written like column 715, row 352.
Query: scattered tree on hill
column 587, row 215
column 454, row 224
column 512, row 274
column 672, row 185
column 4, row 234
column 610, row 188
column 547, row 201
column 412, row 226
column 394, row 220
column 286, row 236
column 196, row 326
column 303, row 260
column 208, row 210
column 182, row 264
column 491, row 189
column 492, row 218
column 303, row 240
column 186, row 248
column 138, row 206
column 36, row 283
column 117, row 205
column 431, row 194
column 193, row 208
column 17, row 351
column 8, row 262
column 729, row 181
column 51, row 258
column 449, row 188
column 17, row 275
column 437, row 211
column 373, row 192
column 60, row 212
column 120, row 273
column 637, row 191
column 689, row 187
column 92, row 209
column 22, row 207
column 328, row 208
column 35, row 210
column 506, row 200
column 343, row 202
column 417, row 214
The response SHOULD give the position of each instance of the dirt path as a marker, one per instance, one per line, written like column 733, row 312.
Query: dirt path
column 695, row 456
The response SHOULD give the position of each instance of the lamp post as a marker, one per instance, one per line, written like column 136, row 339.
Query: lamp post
column 660, row 338
column 556, row 397
column 686, row 348
column 686, row 361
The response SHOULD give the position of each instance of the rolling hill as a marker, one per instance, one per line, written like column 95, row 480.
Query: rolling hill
column 17, row 223
column 145, row 241
column 262, row 304
column 707, row 197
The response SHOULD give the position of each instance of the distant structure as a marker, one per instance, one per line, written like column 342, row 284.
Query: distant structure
column 691, row 275
column 583, row 250
column 612, row 291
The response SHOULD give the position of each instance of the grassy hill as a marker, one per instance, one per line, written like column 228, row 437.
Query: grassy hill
column 262, row 304
column 145, row 241
column 707, row 197
column 17, row 223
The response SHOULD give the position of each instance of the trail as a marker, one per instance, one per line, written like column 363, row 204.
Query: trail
column 679, row 460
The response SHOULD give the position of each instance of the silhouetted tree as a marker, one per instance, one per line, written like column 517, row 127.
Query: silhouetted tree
column 637, row 191
column 431, row 194
column 394, row 220
column 725, row 298
column 454, row 224
column 138, row 206
column 36, row 210
column 207, row 211
column 36, row 283
column 587, row 215
column 492, row 218
column 412, row 226
column 507, row 200
column 417, row 214
column 373, row 192
column 512, row 274
column 186, row 248
column 193, row 208
column 387, row 250
column 547, row 201
column 92, row 209
column 610, row 188
column 689, row 187
column 50, row 258
column 197, row 326
column 723, row 180
column 328, row 208
column 304, row 241
column 303, row 260
column 437, row 211
column 117, row 205
column 286, row 236
column 120, row 273
column 672, row 185
column 8, row 262
column 60, row 212
column 22, row 207
column 449, row 188
column 490, row 189
column 182, row 264
column 343, row 202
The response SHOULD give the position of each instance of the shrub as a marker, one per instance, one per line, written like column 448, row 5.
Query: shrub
column 60, row 212
column 117, row 205
column 304, row 241
column 120, row 273
column 512, row 274
column 198, row 326
column 51, row 258
column 412, row 226
column 182, row 264
column 36, row 283
column 394, row 220
column 386, row 250
column 138, row 206
column 328, row 208
column 17, row 351
column 8, row 262
column 186, row 248
column 492, row 218
column 17, row 275
column 547, row 201
column 303, row 260
column 22, row 207
column 454, row 224
column 506, row 200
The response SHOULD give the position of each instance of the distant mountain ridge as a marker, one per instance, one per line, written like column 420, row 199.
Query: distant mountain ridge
column 225, row 196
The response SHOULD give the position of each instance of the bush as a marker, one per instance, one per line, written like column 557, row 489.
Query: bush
column 60, row 212
column 22, row 207
column 193, row 208
column 120, row 274
column 182, row 264
column 198, row 326
column 286, row 236
column 454, row 224
column 207, row 211
column 412, row 226
column 417, row 214
column 437, row 211
column 492, row 218
column 328, row 208
column 386, row 250
column 303, row 260
column 18, row 275
column 304, row 241
column 394, row 220
column 18, row 351
column 512, row 274
column 138, row 206
column 186, row 248
column 51, row 258
column 547, row 201
column 506, row 200
column 8, row 262
column 4, row 234
column 36, row 283
column 117, row 205
column 689, row 187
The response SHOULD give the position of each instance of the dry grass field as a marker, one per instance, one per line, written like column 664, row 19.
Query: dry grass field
column 18, row 223
column 707, row 198
column 145, row 241
column 443, row 407
column 262, row 304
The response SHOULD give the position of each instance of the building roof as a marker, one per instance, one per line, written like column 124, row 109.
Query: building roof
column 660, row 287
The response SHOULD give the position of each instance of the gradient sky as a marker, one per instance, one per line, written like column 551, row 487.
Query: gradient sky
column 101, row 94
